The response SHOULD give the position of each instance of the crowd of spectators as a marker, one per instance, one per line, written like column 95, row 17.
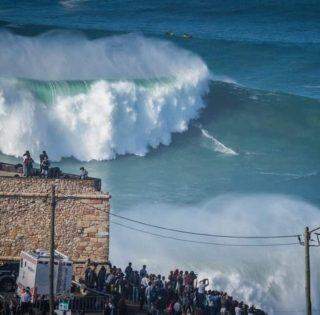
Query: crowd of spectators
column 23, row 304
column 181, row 292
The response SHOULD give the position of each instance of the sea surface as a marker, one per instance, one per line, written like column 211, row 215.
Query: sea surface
column 215, row 133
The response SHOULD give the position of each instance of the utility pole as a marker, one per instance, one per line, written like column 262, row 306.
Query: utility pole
column 51, row 266
column 306, row 243
column 307, row 270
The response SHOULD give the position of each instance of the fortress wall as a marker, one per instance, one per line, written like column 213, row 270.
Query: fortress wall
column 82, row 226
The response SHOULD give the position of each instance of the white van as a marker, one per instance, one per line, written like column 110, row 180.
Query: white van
column 34, row 273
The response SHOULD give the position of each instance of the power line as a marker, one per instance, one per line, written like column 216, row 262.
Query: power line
column 205, row 234
column 315, row 229
column 202, row 242
column 196, row 233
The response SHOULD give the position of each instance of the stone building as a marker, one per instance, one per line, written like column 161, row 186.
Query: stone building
column 82, row 216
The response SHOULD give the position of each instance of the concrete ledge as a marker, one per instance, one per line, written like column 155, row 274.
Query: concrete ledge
column 15, row 171
column 58, row 196
column 13, row 176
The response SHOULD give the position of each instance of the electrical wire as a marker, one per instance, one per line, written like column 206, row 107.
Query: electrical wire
column 205, row 234
column 201, row 242
column 195, row 233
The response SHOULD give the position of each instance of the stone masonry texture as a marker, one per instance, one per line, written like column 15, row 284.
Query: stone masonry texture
column 82, row 224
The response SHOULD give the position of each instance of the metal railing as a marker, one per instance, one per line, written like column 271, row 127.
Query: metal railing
column 84, row 304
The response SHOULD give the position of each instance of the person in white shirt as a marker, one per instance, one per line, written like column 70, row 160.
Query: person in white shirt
column 238, row 309
column 164, row 282
column 202, row 286
column 109, row 279
column 25, row 300
column 201, row 291
column 145, row 281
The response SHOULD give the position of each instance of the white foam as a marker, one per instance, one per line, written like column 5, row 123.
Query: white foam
column 270, row 277
column 217, row 145
column 224, row 78
column 115, row 115
column 71, row 4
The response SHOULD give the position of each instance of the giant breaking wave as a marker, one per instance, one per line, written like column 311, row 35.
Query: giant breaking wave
column 95, row 99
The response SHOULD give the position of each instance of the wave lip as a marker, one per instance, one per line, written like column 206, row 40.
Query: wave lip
column 96, row 99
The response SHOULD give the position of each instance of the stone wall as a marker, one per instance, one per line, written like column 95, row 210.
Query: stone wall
column 82, row 221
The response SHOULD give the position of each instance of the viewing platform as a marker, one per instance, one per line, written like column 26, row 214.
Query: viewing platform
column 15, row 170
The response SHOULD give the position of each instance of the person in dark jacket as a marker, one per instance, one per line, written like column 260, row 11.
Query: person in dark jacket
column 83, row 173
column 143, row 271
column 128, row 271
column 87, row 275
column 42, row 156
column 101, row 278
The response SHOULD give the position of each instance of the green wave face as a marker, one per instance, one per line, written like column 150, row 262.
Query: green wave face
column 48, row 91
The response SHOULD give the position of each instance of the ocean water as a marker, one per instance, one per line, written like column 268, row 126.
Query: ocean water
column 217, row 133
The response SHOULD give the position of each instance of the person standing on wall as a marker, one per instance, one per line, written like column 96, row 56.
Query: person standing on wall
column 42, row 156
column 45, row 164
column 83, row 173
column 27, row 164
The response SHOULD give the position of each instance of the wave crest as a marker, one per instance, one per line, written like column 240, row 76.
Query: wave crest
column 133, row 94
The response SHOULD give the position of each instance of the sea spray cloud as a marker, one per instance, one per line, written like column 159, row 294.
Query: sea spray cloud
column 272, row 277
column 95, row 99
column 60, row 55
